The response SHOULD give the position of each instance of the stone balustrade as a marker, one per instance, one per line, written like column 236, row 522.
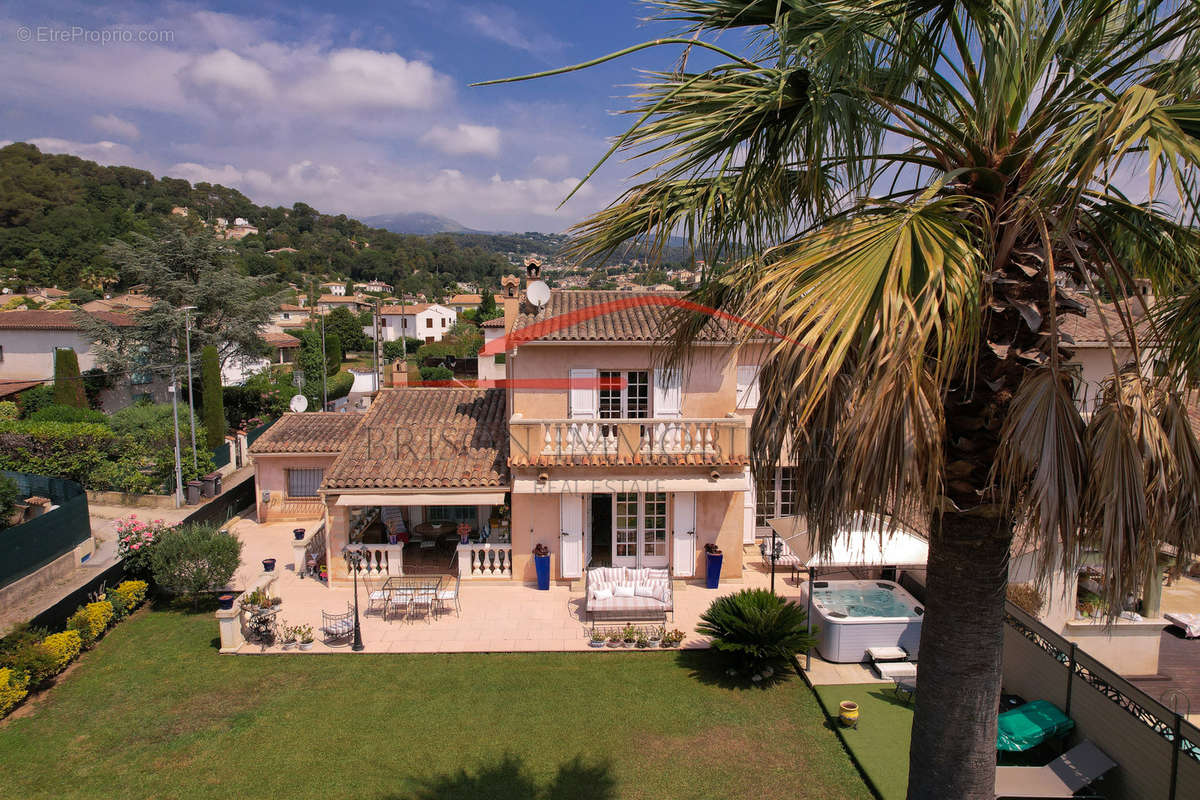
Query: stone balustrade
column 484, row 560
column 548, row 441
column 383, row 560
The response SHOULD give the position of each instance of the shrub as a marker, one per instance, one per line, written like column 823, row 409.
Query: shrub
column 119, row 603
column 68, row 385
column 64, row 647
column 91, row 621
column 398, row 349
column 63, row 449
column 134, row 592
column 10, row 495
column 31, row 400
column 59, row 413
column 135, row 540
column 35, row 661
column 436, row 374
column 1026, row 597
column 9, row 410
column 134, row 473
column 12, row 689
column 759, row 629
column 339, row 385
column 212, row 400
column 192, row 559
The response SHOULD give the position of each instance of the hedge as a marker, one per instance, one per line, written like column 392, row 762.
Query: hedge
column 64, row 449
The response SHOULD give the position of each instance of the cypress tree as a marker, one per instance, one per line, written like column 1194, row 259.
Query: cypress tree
column 211, row 397
column 68, row 386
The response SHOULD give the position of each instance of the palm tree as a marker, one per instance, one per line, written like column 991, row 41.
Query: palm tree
column 913, row 194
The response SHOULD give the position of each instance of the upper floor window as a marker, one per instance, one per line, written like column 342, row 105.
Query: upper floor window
column 776, row 497
column 624, row 395
column 429, row 322
column 747, row 386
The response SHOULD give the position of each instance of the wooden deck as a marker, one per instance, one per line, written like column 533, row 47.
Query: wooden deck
column 1178, row 668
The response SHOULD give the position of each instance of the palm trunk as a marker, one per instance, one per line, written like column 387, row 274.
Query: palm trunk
column 953, row 753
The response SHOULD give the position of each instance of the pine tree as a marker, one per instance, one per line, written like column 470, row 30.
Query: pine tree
column 68, row 386
column 211, row 397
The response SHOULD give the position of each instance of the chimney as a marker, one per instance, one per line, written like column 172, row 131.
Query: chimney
column 510, row 296
column 399, row 374
column 1145, row 290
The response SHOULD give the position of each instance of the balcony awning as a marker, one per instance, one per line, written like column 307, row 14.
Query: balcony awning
column 861, row 544
column 399, row 498
column 730, row 483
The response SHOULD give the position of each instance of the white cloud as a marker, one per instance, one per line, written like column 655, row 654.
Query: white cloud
column 102, row 152
column 505, row 25
column 371, row 79
column 551, row 164
column 225, row 78
column 464, row 139
column 114, row 125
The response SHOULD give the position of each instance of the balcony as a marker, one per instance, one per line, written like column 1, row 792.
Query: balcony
column 628, row 442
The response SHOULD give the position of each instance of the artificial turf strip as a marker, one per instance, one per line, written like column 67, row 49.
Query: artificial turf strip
column 153, row 711
column 880, row 742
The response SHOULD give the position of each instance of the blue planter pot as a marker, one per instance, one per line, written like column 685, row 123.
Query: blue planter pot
column 712, row 572
column 542, row 565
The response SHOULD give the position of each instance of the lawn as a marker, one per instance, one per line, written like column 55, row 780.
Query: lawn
column 881, row 740
column 153, row 711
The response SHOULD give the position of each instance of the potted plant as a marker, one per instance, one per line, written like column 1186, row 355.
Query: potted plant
column 253, row 601
column 541, row 562
column 654, row 638
column 673, row 638
column 226, row 601
column 464, row 533
column 629, row 636
column 298, row 533
column 614, row 639
column 289, row 635
column 597, row 638
column 268, row 565
column 713, row 559
column 642, row 642
column 305, row 634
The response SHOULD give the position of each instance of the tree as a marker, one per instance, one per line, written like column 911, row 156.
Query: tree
column 182, row 269
column 348, row 327
column 912, row 197
column 190, row 560
column 212, row 397
column 10, row 495
column 68, row 384
column 333, row 353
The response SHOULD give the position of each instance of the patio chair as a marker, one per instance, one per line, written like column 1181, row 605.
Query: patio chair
column 400, row 598
column 905, row 688
column 338, row 627
column 1064, row 777
column 424, row 597
column 377, row 600
column 445, row 596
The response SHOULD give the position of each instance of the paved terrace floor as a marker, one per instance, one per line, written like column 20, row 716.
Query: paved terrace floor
column 497, row 616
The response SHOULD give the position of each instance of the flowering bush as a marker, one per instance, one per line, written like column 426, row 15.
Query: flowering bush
column 12, row 689
column 134, row 592
column 135, row 540
column 91, row 620
column 64, row 647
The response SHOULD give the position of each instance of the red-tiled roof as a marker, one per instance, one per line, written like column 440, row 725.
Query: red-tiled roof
column 419, row 438
column 407, row 308
column 9, row 387
column 627, row 318
column 467, row 298
column 280, row 340
column 291, row 307
column 1088, row 331
column 314, row 432
column 495, row 322
column 63, row 320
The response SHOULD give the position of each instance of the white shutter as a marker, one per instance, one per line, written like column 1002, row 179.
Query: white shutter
column 668, row 393
column 747, row 386
column 585, row 393
column 683, row 536
column 571, row 513
column 749, row 529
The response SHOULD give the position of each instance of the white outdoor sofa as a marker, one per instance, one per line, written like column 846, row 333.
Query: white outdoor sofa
column 1189, row 623
column 627, row 593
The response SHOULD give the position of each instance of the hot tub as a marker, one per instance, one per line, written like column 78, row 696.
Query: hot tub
column 855, row 615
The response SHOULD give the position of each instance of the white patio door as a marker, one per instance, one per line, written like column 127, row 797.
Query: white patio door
column 640, row 529
column 571, row 511
column 683, row 535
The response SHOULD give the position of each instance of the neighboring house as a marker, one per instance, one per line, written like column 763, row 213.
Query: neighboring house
column 334, row 288
column 426, row 321
column 1100, row 338
column 120, row 303
column 29, row 339
column 465, row 302
column 235, row 371
column 328, row 302
column 373, row 286
column 492, row 368
column 283, row 347
column 291, row 316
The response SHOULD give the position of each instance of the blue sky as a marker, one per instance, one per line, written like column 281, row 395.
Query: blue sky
column 359, row 108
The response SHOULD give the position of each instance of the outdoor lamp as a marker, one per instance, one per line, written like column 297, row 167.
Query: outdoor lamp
column 354, row 558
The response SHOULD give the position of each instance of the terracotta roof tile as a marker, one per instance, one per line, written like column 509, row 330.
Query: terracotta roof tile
column 625, row 317
column 62, row 320
column 427, row 438
column 495, row 322
column 316, row 432
column 1088, row 331
column 281, row 340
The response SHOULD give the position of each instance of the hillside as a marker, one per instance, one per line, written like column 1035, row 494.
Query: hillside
column 59, row 212
column 416, row 222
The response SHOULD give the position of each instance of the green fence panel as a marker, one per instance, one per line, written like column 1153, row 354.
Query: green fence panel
column 257, row 432
column 220, row 456
column 28, row 547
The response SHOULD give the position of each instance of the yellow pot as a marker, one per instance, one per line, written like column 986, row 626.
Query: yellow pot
column 848, row 713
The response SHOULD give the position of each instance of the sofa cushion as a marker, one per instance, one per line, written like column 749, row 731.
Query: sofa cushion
column 623, row 590
column 626, row 604
column 605, row 593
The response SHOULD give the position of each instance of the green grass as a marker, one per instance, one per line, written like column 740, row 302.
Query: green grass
column 881, row 740
column 153, row 711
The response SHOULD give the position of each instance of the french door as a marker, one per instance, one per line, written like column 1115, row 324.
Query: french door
column 640, row 529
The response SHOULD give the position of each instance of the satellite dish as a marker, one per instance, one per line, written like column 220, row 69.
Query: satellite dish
column 538, row 293
column 299, row 403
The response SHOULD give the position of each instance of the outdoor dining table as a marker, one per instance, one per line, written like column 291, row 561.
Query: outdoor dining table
column 434, row 530
column 408, row 586
column 1027, row 726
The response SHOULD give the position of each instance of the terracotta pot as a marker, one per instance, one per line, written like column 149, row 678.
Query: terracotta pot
column 226, row 601
column 268, row 565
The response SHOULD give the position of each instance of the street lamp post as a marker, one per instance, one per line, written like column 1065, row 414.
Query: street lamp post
column 187, row 334
column 175, row 414
column 354, row 557
column 774, row 556
column 324, row 369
